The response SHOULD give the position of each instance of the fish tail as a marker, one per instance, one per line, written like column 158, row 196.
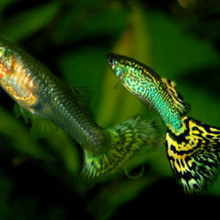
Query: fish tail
column 194, row 154
column 127, row 147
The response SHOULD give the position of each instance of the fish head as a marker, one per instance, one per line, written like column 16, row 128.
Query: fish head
column 129, row 71
column 119, row 65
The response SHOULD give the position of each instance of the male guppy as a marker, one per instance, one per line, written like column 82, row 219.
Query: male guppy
column 193, row 148
column 107, row 151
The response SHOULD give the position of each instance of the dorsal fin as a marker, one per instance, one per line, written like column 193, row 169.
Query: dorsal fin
column 182, row 106
column 83, row 94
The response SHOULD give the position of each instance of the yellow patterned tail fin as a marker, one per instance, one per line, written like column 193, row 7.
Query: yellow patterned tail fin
column 194, row 155
column 128, row 146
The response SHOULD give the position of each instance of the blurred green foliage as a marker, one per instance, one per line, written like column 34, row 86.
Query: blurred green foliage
column 39, row 178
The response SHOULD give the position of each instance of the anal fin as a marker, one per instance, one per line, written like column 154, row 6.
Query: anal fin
column 40, row 127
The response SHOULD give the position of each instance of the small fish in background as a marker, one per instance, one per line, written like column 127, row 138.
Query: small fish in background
column 44, row 98
column 193, row 148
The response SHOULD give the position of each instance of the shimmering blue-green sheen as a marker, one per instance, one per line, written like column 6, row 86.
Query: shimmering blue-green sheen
column 147, row 85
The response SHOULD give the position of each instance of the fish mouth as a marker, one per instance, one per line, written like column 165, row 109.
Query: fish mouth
column 112, row 61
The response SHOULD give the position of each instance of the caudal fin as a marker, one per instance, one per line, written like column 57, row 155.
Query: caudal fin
column 128, row 146
column 194, row 155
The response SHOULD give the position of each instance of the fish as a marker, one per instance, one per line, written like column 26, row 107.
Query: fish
column 37, row 90
column 40, row 93
column 193, row 147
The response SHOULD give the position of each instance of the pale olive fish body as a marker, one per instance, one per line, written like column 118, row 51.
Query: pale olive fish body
column 107, row 152
column 39, row 91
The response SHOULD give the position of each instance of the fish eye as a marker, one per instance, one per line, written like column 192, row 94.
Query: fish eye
column 111, row 61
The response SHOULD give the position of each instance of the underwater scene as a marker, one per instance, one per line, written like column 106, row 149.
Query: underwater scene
column 109, row 109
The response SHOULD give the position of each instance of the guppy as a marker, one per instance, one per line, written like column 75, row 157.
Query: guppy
column 36, row 89
column 193, row 148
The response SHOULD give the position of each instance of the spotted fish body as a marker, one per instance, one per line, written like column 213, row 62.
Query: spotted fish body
column 193, row 148
column 150, row 88
column 107, row 152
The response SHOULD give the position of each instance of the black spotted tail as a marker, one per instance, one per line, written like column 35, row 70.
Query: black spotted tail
column 194, row 155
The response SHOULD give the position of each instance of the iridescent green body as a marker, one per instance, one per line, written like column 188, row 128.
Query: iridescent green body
column 193, row 148
column 148, row 86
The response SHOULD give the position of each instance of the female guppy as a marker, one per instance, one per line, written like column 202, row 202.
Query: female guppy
column 36, row 89
column 193, row 148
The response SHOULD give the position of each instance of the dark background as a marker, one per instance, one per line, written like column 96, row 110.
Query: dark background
column 179, row 39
